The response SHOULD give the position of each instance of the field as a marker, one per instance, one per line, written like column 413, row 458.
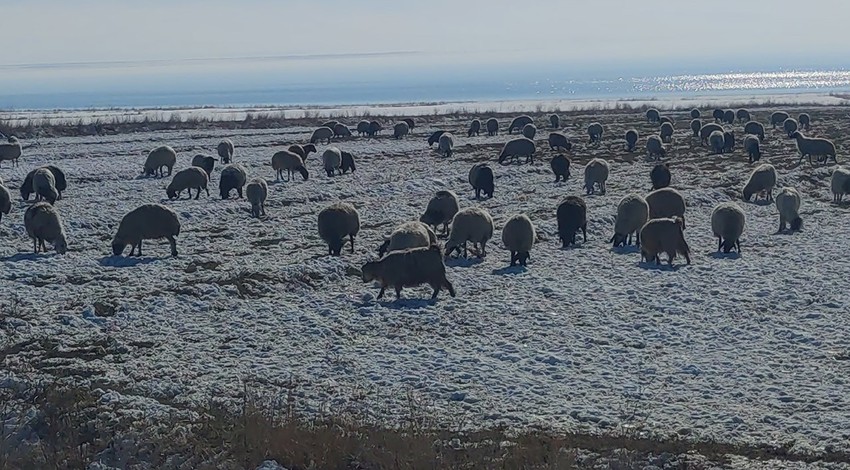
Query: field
column 747, row 350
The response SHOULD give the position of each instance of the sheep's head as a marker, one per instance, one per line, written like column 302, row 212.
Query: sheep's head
column 172, row 194
column 618, row 239
column 309, row 148
column 118, row 247
column 304, row 173
column 61, row 245
column 26, row 191
column 748, row 194
column 369, row 271
column 335, row 246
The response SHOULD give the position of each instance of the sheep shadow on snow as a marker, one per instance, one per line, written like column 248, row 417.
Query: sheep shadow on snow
column 651, row 266
column 625, row 249
column 27, row 256
column 721, row 255
column 406, row 303
column 125, row 261
column 510, row 270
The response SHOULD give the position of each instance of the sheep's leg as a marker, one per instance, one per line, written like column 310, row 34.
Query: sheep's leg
column 436, row 288
column 139, row 251
column 132, row 249
column 173, row 244
column 43, row 245
column 781, row 224
column 207, row 189
column 465, row 251
column 737, row 246
column 35, row 245
column 398, row 292
column 719, row 243
column 584, row 231
column 513, row 258
column 483, row 249
column 637, row 238
column 381, row 293
column 351, row 238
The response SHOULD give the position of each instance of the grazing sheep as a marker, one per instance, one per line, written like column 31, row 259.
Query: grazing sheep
column 330, row 124
column 666, row 202
column 718, row 115
column 706, row 130
column 331, row 161
column 529, row 131
column 655, row 146
column 755, row 128
column 727, row 223
column 189, row 179
column 778, row 117
column 363, row 128
column 823, row 148
column 10, row 150
column 518, row 123
column 561, row 167
column 660, row 176
column 481, row 179
column 410, row 123
column 206, row 162
column 728, row 141
column 752, row 146
column 146, row 222
column 341, row 130
column 632, row 214
column 666, row 120
column 444, row 146
column 440, row 210
column 596, row 174
column 695, row 114
column 256, row 191
column 664, row 236
column 558, row 140
column 666, row 132
column 790, row 126
column 805, row 120
column 336, row 222
column 492, row 126
column 322, row 133
column 408, row 235
column 631, row 140
column 474, row 128
column 516, row 148
column 303, row 150
column 761, row 181
column 44, row 224
column 788, row 202
column 347, row 162
column 225, row 151
column 289, row 161
column 158, row 158
column 595, row 132
column 652, row 115
column 232, row 177
column 409, row 268
column 696, row 125
column 729, row 116
column 375, row 128
column 44, row 185
column 743, row 115
column 554, row 121
column 61, row 183
column 5, row 201
column 435, row 137
column 519, row 235
column 572, row 216
column 472, row 224
column 400, row 130
column 717, row 141
column 840, row 184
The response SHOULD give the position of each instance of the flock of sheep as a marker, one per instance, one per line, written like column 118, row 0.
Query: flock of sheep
column 411, row 255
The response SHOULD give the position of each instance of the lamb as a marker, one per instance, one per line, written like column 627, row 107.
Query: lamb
column 408, row 235
column 823, row 148
column 58, row 175
column 303, row 150
column 561, row 167
column 728, row 141
column 189, row 178
column 481, row 179
column 554, row 121
column 444, row 146
column 146, row 222
column 435, row 137
column 717, row 141
column 44, row 185
column 5, row 201
column 595, row 132
column 519, row 236
column 516, row 148
column 729, row 116
column 666, row 120
column 347, row 162
column 492, row 126
column 44, row 224
column 331, row 161
column 706, row 130
column 664, row 236
column 652, row 115
column 440, row 210
column 788, row 202
column 753, row 147
column 158, row 158
column 695, row 114
column 718, row 115
column 790, row 126
column 743, row 115
column 660, row 176
column 518, row 123
column 409, row 268
column 330, row 124
column 840, row 184
column 410, row 123
column 631, row 140
column 206, row 162
column 754, row 128
column 805, row 120
column 341, row 130
column 666, row 132
column 655, row 146
column 474, row 128
column 11, row 150
column 558, row 140
column 696, row 125
column 363, row 127
column 572, row 216
column 596, row 174
column 778, row 117
column 632, row 214
column 375, row 128
column 472, row 224
column 666, row 202
column 256, row 192
column 225, row 151
column 289, row 161
column 400, row 130
column 336, row 222
column 232, row 177
column 322, row 133
column 529, row 130
column 762, row 180
column 727, row 223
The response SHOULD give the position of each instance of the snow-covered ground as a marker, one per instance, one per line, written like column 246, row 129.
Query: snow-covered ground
column 749, row 349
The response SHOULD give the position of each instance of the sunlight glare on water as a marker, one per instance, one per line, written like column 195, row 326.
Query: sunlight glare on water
column 744, row 81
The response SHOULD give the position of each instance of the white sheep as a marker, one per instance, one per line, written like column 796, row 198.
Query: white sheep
column 596, row 174
column 696, row 125
column 517, row 148
column 341, row 130
column 233, row 176
column 492, row 126
column 790, row 126
column 519, row 122
column 753, row 147
column 256, row 191
column 660, row 176
column 204, row 161
column 631, row 140
column 188, row 179
column 557, row 140
column 303, row 151
column 664, row 235
column 805, row 120
column 43, row 224
column 632, row 214
column 408, row 235
column 743, row 115
column 11, row 150
column 840, row 183
column 409, row 268
column 717, row 141
column 225, row 151
column 666, row 132
column 554, row 121
column 788, row 201
column 322, row 133
column 761, row 181
column 652, row 115
column 336, row 222
column 754, row 128
column 445, row 144
column 158, row 158
column 706, row 130
column 655, row 147
column 440, row 210
column 146, row 222
column 44, row 185
column 529, row 130
column 778, row 117
column 729, row 116
column 5, row 201
column 61, row 182
column 289, row 161
column 727, row 223
column 401, row 129
column 519, row 236
column 347, row 162
column 363, row 127
column 472, row 224
column 332, row 160
column 695, row 114
column 666, row 202
column 595, row 131
column 822, row 148
column 474, row 128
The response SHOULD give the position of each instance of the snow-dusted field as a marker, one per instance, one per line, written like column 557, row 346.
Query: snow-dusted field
column 746, row 349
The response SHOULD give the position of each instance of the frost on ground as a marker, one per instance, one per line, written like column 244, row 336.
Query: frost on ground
column 749, row 349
